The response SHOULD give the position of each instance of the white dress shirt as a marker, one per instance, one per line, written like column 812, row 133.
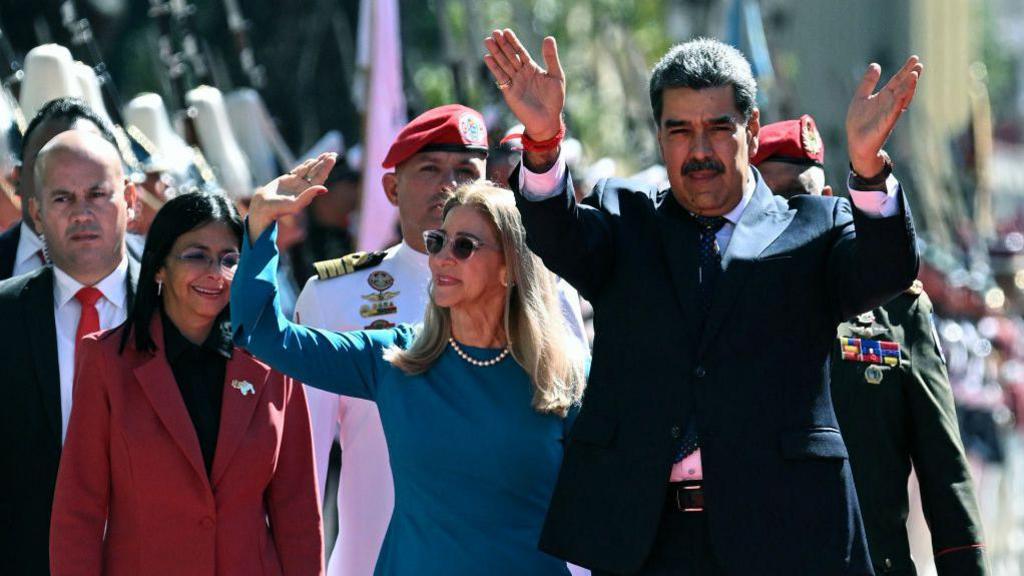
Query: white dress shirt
column 66, row 313
column 26, row 257
column 877, row 204
column 366, row 495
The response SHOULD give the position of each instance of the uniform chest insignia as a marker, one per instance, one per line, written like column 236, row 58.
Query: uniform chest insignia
column 869, row 331
column 380, row 280
column 870, row 351
column 380, row 324
column 382, row 301
column 874, row 374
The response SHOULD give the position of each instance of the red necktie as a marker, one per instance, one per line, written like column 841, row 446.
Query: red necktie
column 89, row 321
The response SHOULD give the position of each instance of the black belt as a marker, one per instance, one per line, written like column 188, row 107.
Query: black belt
column 685, row 497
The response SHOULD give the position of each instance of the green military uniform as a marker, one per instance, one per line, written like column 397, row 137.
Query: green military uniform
column 895, row 408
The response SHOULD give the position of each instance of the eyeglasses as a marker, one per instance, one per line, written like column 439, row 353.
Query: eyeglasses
column 198, row 259
column 462, row 246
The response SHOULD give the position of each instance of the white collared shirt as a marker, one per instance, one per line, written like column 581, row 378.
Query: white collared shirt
column 26, row 257
column 112, row 309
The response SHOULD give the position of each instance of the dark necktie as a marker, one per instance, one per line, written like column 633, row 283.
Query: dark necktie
column 709, row 267
column 709, row 256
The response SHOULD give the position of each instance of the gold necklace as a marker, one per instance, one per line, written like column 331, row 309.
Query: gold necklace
column 474, row 361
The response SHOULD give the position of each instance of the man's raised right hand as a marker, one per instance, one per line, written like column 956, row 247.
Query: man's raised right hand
column 535, row 95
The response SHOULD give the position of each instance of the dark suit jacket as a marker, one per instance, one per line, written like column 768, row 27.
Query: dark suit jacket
column 779, row 494
column 907, row 418
column 30, row 418
column 8, row 249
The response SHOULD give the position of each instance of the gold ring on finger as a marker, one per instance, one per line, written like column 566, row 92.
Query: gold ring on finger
column 504, row 85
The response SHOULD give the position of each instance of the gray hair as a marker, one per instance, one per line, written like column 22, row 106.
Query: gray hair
column 704, row 63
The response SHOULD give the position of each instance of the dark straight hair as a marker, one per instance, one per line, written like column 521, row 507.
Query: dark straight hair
column 178, row 216
column 70, row 110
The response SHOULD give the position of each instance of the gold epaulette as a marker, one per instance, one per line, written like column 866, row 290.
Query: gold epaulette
column 347, row 264
column 915, row 289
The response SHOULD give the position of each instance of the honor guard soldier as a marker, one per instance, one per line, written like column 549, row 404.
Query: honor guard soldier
column 892, row 397
column 434, row 153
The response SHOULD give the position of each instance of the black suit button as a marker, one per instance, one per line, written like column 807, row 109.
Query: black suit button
column 888, row 564
column 676, row 432
column 700, row 372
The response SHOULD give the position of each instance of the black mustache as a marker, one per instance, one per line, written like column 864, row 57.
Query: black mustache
column 697, row 165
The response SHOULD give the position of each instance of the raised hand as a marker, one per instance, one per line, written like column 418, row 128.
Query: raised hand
column 872, row 116
column 289, row 193
column 535, row 95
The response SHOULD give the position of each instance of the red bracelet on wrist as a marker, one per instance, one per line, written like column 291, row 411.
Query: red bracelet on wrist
column 531, row 145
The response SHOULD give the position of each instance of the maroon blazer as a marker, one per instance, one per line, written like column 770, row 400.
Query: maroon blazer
column 133, row 496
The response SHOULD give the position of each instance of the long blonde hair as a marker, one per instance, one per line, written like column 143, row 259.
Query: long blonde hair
column 537, row 335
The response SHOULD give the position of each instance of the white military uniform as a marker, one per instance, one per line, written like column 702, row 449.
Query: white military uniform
column 398, row 294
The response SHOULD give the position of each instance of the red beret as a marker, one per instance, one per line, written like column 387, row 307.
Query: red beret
column 796, row 141
column 451, row 128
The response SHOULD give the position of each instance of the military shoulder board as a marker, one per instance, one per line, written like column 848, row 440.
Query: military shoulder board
column 347, row 264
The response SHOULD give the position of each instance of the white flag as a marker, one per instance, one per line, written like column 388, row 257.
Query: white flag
column 385, row 117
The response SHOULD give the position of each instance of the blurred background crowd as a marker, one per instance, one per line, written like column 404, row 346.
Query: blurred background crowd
column 253, row 86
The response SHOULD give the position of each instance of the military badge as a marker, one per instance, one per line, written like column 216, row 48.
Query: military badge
column 810, row 137
column 870, row 351
column 472, row 129
column 380, row 280
column 379, row 324
column 874, row 374
column 866, row 318
column 381, row 302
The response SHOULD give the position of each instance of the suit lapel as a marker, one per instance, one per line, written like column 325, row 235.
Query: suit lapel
column 158, row 383
column 42, row 333
column 237, row 408
column 760, row 224
column 679, row 243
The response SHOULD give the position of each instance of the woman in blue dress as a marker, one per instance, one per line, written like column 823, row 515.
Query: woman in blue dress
column 475, row 403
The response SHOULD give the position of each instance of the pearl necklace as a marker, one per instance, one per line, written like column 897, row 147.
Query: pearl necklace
column 480, row 363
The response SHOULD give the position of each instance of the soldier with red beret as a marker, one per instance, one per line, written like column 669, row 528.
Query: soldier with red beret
column 437, row 151
column 892, row 397
column 790, row 156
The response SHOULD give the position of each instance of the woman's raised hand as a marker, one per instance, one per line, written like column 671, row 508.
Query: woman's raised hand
column 289, row 193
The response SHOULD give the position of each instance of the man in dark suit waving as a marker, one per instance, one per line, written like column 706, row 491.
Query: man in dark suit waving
column 81, row 205
column 704, row 447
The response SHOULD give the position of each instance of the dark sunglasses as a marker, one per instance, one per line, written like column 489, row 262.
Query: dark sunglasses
column 462, row 246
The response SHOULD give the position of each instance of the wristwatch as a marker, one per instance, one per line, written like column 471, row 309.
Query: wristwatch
column 876, row 182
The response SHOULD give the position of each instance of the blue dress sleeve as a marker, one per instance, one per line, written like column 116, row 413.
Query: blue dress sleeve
column 343, row 363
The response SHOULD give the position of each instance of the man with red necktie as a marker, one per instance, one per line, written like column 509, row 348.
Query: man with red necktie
column 81, row 206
